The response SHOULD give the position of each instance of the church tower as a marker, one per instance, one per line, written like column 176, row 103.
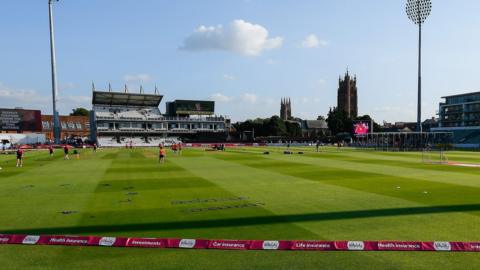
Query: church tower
column 285, row 109
column 347, row 95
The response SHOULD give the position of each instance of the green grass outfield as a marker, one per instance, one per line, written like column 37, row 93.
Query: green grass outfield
column 332, row 195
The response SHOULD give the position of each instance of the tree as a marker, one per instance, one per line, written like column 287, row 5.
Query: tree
column 273, row 126
column 338, row 121
column 321, row 117
column 293, row 129
column 80, row 112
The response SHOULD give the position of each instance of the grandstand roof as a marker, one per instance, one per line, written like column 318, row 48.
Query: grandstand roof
column 460, row 95
column 126, row 99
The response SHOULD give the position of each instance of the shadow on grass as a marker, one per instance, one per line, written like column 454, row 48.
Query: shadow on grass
column 249, row 221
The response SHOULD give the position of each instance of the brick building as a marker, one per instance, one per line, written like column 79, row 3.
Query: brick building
column 71, row 126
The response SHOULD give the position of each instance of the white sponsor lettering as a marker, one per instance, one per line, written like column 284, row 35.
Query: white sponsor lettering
column 77, row 241
column 187, row 243
column 57, row 240
column 398, row 246
column 312, row 245
column 107, row 241
column 271, row 245
column 442, row 246
column 355, row 245
column 31, row 239
column 74, row 241
column 475, row 246
column 228, row 245
column 146, row 243
column 4, row 239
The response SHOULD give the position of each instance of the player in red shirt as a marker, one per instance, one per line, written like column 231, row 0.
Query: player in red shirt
column 50, row 150
column 20, row 153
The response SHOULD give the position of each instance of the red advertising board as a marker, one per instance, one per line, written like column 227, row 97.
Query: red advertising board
column 296, row 245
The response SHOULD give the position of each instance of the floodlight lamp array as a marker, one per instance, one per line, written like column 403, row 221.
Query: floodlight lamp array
column 418, row 10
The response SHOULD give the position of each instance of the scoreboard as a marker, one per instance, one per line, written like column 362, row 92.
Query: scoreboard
column 20, row 120
column 193, row 107
column 362, row 128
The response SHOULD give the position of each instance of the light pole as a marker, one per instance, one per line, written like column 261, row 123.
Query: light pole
column 418, row 11
column 56, row 120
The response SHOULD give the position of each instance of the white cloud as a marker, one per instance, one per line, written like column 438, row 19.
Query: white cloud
column 303, row 100
column 242, row 99
column 245, row 106
column 312, row 41
column 270, row 101
column 305, row 115
column 239, row 37
column 137, row 78
column 271, row 61
column 229, row 77
column 32, row 99
column 322, row 81
column 67, row 86
column 218, row 97
column 67, row 103
column 394, row 113
column 75, row 99
column 20, row 97
column 250, row 98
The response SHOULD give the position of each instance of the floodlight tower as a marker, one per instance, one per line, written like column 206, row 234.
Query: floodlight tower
column 56, row 120
column 418, row 11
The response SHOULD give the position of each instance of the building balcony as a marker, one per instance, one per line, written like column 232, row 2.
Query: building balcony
column 157, row 130
column 451, row 112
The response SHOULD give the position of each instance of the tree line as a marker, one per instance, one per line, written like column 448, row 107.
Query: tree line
column 337, row 120
column 269, row 127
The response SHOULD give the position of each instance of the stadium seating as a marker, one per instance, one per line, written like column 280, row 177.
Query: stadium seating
column 134, row 113
column 136, row 141
column 127, row 119
column 107, row 142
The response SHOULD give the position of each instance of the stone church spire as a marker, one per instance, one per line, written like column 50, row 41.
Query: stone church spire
column 285, row 108
column 347, row 98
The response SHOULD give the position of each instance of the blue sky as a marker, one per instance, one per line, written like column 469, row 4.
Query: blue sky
column 244, row 54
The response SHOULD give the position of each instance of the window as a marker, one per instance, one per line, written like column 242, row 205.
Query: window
column 137, row 125
column 46, row 125
column 64, row 125
column 78, row 125
column 71, row 125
